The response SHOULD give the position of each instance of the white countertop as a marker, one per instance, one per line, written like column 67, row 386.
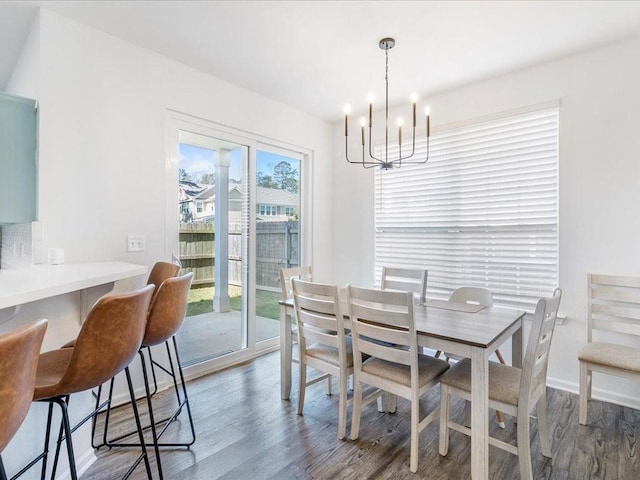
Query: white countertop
column 21, row 286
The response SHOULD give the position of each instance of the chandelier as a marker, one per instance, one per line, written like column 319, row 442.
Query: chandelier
column 383, row 159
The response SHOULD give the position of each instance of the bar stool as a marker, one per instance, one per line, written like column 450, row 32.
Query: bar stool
column 158, row 274
column 19, row 351
column 161, row 271
column 166, row 315
column 108, row 340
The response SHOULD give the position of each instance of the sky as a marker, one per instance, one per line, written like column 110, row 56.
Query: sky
column 198, row 160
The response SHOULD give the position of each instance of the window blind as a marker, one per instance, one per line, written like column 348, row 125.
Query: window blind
column 483, row 211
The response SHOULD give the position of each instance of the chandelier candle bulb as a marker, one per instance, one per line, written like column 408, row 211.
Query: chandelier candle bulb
column 346, row 120
column 414, row 99
column 426, row 112
column 362, row 124
column 399, row 131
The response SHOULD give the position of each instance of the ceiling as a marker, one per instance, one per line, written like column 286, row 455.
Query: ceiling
column 317, row 56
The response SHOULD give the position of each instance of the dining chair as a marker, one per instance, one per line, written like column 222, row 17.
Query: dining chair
column 477, row 296
column 322, row 341
column 108, row 340
column 405, row 280
column 286, row 276
column 383, row 327
column 613, row 317
column 19, row 352
column 512, row 390
column 165, row 317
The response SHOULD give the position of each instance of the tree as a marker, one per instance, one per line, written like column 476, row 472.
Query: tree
column 266, row 181
column 285, row 177
column 207, row 179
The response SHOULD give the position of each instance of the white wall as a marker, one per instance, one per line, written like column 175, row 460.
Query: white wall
column 599, row 184
column 102, row 159
column 103, row 155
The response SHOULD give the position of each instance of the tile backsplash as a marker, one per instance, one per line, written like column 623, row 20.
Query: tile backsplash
column 15, row 246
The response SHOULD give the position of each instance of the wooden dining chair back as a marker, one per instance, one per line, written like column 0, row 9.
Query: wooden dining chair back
column 19, row 352
column 613, row 332
column 288, row 274
column 512, row 390
column 384, row 330
column 412, row 280
column 323, row 343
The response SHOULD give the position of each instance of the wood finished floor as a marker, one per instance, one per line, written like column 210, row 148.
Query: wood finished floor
column 245, row 431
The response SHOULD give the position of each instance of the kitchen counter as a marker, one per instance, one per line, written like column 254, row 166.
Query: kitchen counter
column 37, row 282
column 63, row 294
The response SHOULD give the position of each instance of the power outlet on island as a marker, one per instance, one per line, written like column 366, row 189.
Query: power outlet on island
column 135, row 243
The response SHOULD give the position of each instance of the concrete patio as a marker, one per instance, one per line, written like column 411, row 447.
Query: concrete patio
column 209, row 335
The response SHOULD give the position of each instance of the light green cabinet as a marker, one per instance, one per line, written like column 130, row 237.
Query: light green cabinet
column 18, row 139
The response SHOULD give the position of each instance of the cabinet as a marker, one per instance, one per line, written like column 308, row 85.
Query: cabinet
column 18, row 139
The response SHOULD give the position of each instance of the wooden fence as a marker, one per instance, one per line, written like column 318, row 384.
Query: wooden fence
column 277, row 246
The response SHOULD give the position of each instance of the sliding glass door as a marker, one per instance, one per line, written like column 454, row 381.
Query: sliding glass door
column 277, row 224
column 213, row 244
column 235, row 213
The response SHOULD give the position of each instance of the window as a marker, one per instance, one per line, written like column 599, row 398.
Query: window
column 268, row 210
column 482, row 212
column 289, row 211
column 198, row 207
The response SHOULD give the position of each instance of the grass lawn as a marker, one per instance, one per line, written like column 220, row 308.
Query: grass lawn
column 201, row 301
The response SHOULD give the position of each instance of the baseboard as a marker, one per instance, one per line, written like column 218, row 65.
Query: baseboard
column 123, row 398
column 596, row 393
column 82, row 465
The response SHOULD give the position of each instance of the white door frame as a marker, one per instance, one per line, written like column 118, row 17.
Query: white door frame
column 177, row 121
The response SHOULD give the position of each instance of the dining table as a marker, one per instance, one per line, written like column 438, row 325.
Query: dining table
column 468, row 330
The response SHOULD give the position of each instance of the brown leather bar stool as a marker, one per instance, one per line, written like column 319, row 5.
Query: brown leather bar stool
column 158, row 274
column 108, row 340
column 161, row 271
column 166, row 315
column 19, row 352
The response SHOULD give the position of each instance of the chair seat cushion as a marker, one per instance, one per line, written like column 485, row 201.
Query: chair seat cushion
column 330, row 354
column 504, row 380
column 51, row 368
column 611, row 355
column 429, row 368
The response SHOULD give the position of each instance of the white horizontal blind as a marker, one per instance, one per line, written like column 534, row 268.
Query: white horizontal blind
column 483, row 211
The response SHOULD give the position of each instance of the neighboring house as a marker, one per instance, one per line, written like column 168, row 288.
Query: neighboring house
column 197, row 203
column 274, row 204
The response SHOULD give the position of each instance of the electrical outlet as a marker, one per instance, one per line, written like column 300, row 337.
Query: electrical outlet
column 135, row 243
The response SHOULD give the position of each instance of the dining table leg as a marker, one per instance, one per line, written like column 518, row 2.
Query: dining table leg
column 285, row 353
column 516, row 347
column 479, row 414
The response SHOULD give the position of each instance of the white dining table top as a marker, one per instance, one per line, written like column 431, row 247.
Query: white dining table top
column 454, row 322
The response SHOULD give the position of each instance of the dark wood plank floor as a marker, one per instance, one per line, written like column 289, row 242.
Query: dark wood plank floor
column 245, row 431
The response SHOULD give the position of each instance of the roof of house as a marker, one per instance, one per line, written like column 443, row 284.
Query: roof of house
column 273, row 196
